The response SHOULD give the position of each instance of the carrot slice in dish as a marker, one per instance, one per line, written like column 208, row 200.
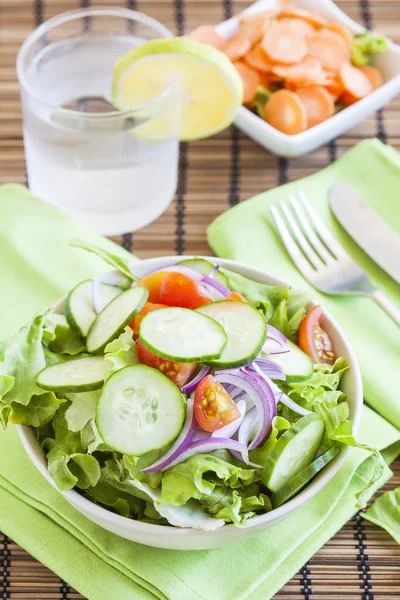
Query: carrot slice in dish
column 206, row 34
column 299, row 26
column 307, row 72
column 257, row 59
column 306, row 15
column 236, row 47
column 250, row 79
column 355, row 81
column 374, row 76
column 286, row 112
column 250, row 31
column 318, row 102
column 284, row 46
column 330, row 48
column 345, row 33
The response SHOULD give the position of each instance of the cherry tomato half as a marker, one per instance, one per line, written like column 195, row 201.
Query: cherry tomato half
column 178, row 373
column 153, row 284
column 213, row 406
column 179, row 290
column 313, row 340
column 236, row 296
column 148, row 307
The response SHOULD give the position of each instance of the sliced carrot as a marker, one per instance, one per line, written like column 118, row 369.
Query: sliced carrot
column 300, row 13
column 286, row 112
column 341, row 30
column 257, row 59
column 290, row 85
column 299, row 26
column 236, row 47
column 254, row 25
column 318, row 102
column 284, row 46
column 355, row 81
column 306, row 72
column 251, row 80
column 374, row 76
column 348, row 99
column 206, row 34
column 330, row 48
column 334, row 87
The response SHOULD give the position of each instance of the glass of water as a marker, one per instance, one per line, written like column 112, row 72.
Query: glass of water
column 116, row 171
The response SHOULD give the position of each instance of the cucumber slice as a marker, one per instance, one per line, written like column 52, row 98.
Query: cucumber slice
column 114, row 317
column 296, row 364
column 293, row 487
column 139, row 410
column 79, row 306
column 82, row 375
column 294, row 451
column 182, row 335
column 204, row 267
column 245, row 328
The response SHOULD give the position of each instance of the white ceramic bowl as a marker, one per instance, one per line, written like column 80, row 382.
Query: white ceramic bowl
column 295, row 145
column 190, row 539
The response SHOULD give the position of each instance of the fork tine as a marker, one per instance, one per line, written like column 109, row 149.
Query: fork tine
column 294, row 251
column 309, row 232
column 309, row 252
column 333, row 245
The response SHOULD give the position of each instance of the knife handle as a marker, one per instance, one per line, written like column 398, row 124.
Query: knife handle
column 387, row 305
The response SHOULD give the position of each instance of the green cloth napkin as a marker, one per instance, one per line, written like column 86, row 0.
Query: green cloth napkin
column 37, row 266
column 247, row 233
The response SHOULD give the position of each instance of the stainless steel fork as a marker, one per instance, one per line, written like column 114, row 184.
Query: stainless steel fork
column 320, row 257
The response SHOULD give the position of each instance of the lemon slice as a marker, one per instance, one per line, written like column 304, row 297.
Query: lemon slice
column 209, row 87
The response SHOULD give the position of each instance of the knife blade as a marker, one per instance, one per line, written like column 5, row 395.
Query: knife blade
column 366, row 228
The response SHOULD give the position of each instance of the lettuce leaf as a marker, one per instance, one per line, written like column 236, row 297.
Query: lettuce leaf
column 236, row 506
column 198, row 476
column 21, row 359
column 364, row 45
column 40, row 410
column 121, row 352
column 279, row 426
column 60, row 337
column 385, row 512
column 112, row 259
column 81, row 410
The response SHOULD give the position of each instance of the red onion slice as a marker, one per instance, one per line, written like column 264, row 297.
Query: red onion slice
column 110, row 278
column 271, row 346
column 281, row 396
column 260, row 393
column 275, row 334
column 210, row 444
column 181, row 444
column 206, row 279
column 228, row 431
column 248, row 427
column 190, row 387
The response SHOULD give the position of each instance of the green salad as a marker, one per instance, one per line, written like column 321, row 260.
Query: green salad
column 191, row 397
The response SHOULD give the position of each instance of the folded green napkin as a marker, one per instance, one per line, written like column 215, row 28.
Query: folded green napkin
column 37, row 266
column 247, row 233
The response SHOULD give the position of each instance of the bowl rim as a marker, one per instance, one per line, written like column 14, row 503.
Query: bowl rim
column 104, row 515
column 275, row 136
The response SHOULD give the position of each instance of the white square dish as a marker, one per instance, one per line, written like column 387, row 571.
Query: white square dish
column 301, row 143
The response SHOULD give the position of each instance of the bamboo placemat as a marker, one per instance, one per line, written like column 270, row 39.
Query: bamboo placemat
column 360, row 561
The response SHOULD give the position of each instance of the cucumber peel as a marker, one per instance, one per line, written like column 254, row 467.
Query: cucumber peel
column 81, row 375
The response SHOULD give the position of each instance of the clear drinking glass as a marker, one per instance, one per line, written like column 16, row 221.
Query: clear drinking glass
column 115, row 170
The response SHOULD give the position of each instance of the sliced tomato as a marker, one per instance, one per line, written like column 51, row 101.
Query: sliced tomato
column 153, row 284
column 313, row 340
column 148, row 307
column 179, row 290
column 213, row 406
column 236, row 296
column 178, row 373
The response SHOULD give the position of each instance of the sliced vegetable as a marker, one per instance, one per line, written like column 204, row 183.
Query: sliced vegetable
column 81, row 375
column 374, row 76
column 355, row 81
column 178, row 373
column 229, row 430
column 180, row 445
column 191, row 385
column 318, row 102
column 294, row 451
column 206, row 34
column 283, row 45
column 139, row 410
column 299, row 481
column 330, row 48
column 300, row 13
column 307, row 72
column 210, row 444
column 113, row 319
column 236, row 297
column 79, row 305
column 148, row 307
column 286, row 112
column 183, row 335
column 258, row 60
column 313, row 340
column 213, row 406
column 205, row 267
column 152, row 282
column 250, row 79
column 179, row 290
column 245, row 328
column 296, row 364
column 299, row 26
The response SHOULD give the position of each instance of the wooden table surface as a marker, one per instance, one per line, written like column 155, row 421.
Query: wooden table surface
column 360, row 561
